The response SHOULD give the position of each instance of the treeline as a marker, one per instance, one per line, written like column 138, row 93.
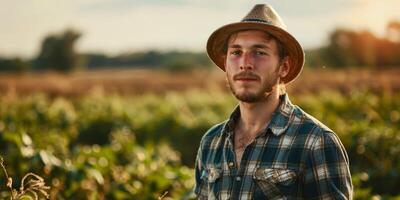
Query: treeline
column 346, row 48
column 172, row 60
column 57, row 53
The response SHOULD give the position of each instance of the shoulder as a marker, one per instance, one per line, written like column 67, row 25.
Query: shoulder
column 315, row 130
column 212, row 133
column 209, row 142
column 309, row 121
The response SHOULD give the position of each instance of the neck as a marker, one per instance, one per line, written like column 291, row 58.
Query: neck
column 255, row 116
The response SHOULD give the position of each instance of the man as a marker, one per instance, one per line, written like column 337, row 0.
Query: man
column 268, row 148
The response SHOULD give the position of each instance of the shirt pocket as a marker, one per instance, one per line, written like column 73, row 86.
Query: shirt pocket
column 211, row 176
column 274, row 183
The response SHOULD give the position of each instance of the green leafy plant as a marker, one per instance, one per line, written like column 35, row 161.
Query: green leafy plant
column 139, row 147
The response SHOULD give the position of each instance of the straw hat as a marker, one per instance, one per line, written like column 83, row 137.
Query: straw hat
column 261, row 17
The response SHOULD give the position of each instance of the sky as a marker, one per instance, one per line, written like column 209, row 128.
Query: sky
column 120, row 26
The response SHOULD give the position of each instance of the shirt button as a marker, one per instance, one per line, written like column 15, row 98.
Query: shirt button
column 238, row 179
column 230, row 164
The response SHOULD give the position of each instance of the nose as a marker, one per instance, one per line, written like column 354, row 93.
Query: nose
column 247, row 62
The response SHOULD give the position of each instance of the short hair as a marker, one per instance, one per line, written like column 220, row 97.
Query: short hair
column 282, row 53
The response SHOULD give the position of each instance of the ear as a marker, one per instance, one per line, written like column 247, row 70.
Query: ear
column 285, row 67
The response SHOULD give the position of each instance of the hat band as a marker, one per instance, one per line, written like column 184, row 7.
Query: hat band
column 257, row 20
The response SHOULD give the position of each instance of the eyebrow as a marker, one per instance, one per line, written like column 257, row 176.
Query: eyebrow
column 261, row 46
column 235, row 46
column 257, row 46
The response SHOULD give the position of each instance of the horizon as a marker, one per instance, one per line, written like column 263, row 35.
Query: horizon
column 115, row 27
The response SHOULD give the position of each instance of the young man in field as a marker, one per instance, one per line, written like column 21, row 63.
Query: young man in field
column 268, row 148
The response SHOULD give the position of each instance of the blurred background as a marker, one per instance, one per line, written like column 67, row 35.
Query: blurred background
column 109, row 99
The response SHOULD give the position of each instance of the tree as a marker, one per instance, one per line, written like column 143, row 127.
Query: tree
column 393, row 31
column 13, row 65
column 340, row 48
column 58, row 52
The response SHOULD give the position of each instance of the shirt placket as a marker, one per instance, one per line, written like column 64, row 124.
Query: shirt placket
column 236, row 173
column 230, row 161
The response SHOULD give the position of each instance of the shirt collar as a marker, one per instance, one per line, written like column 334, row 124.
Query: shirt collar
column 282, row 117
column 280, row 121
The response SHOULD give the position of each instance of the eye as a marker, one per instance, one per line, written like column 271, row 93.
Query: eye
column 261, row 53
column 235, row 52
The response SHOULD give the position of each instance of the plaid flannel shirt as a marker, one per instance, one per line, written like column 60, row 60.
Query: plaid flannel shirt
column 295, row 157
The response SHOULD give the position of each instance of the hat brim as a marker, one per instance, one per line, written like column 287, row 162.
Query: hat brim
column 217, row 40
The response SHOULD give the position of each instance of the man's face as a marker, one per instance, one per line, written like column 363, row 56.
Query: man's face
column 252, row 65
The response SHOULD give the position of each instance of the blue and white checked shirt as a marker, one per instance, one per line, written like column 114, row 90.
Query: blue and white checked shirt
column 295, row 157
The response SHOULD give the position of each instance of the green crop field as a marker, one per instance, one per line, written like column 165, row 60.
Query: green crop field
column 104, row 146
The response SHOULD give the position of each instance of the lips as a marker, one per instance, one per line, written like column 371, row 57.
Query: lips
column 246, row 77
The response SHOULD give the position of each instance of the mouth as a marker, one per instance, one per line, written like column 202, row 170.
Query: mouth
column 246, row 79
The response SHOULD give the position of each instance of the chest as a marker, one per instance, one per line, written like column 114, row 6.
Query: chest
column 241, row 141
column 263, row 161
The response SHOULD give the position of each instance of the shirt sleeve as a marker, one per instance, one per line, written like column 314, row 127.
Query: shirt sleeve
column 200, row 188
column 327, row 174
